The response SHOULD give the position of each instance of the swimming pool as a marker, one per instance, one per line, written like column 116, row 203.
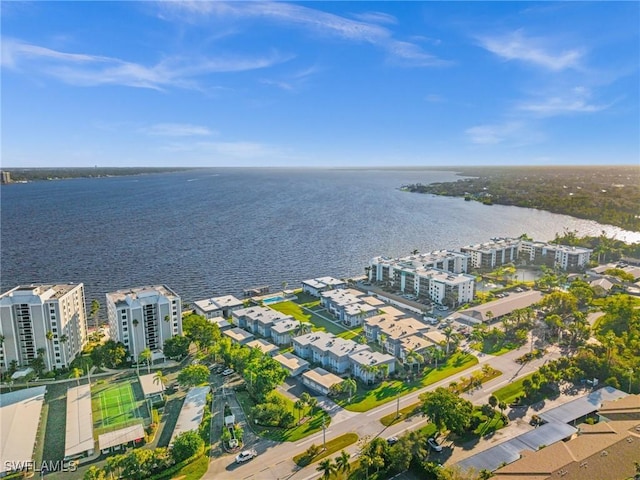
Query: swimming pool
column 270, row 300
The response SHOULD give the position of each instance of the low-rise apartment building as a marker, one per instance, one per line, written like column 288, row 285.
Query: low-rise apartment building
column 42, row 318
column 217, row 306
column 282, row 332
column 350, row 306
column 368, row 365
column 144, row 317
column 258, row 319
column 326, row 349
column 315, row 286
column 320, row 381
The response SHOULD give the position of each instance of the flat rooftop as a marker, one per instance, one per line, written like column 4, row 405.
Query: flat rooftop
column 79, row 431
column 321, row 377
column 149, row 385
column 120, row 437
column 290, row 361
column 141, row 292
column 19, row 419
column 262, row 345
column 44, row 291
column 192, row 411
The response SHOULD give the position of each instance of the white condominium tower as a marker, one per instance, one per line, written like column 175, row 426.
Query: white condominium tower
column 46, row 320
column 144, row 317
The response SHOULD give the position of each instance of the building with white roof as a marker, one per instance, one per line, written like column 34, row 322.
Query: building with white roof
column 320, row 381
column 52, row 317
column 19, row 419
column 326, row 349
column 282, row 332
column 221, row 322
column 381, row 268
column 350, row 306
column 292, row 363
column 265, row 347
column 316, row 286
column 492, row 254
column 152, row 388
column 560, row 256
column 144, row 317
column 192, row 411
column 79, row 429
column 258, row 319
column 217, row 306
column 238, row 335
column 366, row 365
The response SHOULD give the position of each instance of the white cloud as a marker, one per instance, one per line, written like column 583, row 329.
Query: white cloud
column 177, row 130
column 511, row 133
column 321, row 22
column 90, row 70
column 376, row 17
column 575, row 101
column 516, row 46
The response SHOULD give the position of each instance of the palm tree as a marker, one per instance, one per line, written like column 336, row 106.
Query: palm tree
column 161, row 379
column 145, row 356
column 299, row 405
column 415, row 357
column 313, row 403
column 76, row 373
column 302, row 328
column 448, row 333
column 437, row 355
column 327, row 468
column 284, row 286
column 63, row 340
column 1, row 340
column 382, row 338
column 342, row 462
column 384, row 370
column 488, row 315
column 349, row 385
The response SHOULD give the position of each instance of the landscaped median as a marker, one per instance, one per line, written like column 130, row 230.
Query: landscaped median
column 462, row 385
column 315, row 453
column 389, row 390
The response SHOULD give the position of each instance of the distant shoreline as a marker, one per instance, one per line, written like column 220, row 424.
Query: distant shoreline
column 26, row 175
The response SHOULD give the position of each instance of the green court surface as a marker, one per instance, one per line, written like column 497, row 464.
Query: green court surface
column 116, row 407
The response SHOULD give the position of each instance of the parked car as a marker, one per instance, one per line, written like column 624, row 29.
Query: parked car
column 433, row 444
column 392, row 440
column 246, row 455
column 227, row 372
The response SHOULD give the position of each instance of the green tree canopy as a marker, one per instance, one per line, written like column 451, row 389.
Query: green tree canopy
column 177, row 346
column 202, row 332
column 193, row 375
column 446, row 409
column 186, row 445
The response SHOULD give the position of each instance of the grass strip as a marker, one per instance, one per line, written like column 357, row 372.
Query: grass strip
column 387, row 391
column 333, row 446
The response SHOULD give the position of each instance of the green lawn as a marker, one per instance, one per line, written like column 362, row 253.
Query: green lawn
column 494, row 349
column 387, row 391
column 333, row 446
column 194, row 471
column 310, row 426
column 296, row 310
column 508, row 393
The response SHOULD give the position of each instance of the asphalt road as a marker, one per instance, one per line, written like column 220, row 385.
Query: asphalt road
column 274, row 461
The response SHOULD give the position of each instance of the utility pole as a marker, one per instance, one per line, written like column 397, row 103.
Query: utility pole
column 324, row 435
column 398, row 407
column 630, row 377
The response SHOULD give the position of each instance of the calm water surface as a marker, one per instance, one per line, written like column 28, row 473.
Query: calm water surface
column 212, row 232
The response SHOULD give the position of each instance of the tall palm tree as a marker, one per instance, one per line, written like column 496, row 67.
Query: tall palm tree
column 342, row 462
column 448, row 333
column 327, row 468
column 350, row 386
column 382, row 339
column 145, row 356
column 313, row 403
column 160, row 378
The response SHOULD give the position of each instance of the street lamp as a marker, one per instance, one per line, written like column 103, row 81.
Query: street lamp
column 630, row 377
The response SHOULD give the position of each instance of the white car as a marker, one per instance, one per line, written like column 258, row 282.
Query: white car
column 433, row 444
column 227, row 372
column 246, row 455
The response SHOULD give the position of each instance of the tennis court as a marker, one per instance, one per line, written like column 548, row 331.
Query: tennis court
column 116, row 406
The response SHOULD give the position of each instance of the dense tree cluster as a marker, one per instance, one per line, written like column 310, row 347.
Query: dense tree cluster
column 609, row 195
column 32, row 174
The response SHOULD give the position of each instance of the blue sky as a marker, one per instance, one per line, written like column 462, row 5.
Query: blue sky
column 319, row 83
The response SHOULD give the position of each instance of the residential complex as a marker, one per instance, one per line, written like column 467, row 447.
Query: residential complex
column 489, row 255
column 561, row 256
column 144, row 317
column 258, row 319
column 316, row 286
column 217, row 306
column 46, row 320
